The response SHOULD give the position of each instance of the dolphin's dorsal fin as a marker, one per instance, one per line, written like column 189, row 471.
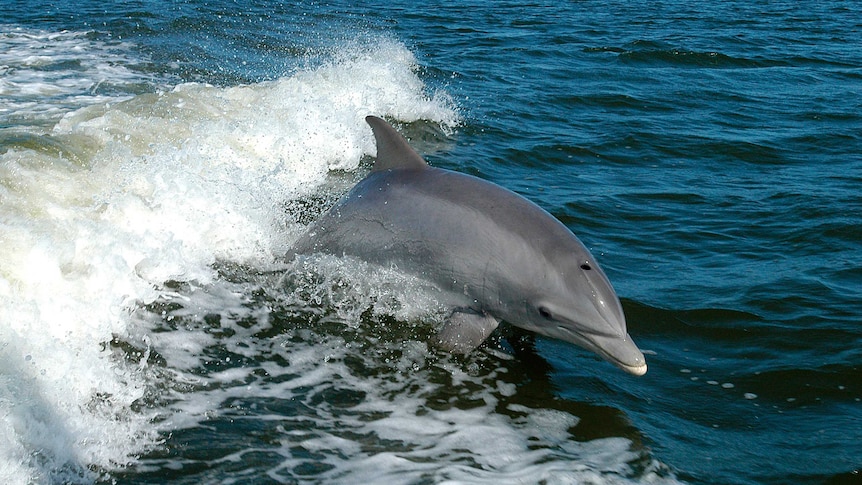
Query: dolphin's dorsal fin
column 393, row 151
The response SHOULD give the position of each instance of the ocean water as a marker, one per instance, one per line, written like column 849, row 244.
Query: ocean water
column 157, row 158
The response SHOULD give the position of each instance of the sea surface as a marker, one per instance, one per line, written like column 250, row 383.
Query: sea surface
column 157, row 159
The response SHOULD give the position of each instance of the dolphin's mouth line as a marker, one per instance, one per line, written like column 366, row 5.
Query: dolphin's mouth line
column 637, row 369
column 589, row 332
column 637, row 366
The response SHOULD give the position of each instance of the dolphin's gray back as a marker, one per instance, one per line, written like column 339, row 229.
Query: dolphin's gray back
column 450, row 228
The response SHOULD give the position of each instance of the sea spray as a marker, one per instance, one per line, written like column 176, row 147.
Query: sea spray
column 136, row 190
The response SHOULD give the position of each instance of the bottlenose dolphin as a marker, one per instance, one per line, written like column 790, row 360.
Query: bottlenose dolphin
column 494, row 254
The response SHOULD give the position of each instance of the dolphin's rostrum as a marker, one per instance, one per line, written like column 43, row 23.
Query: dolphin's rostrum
column 494, row 254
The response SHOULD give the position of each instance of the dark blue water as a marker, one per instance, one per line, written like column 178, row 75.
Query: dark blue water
column 709, row 155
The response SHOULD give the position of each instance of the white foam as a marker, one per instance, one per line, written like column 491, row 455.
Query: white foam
column 394, row 430
column 121, row 197
column 46, row 74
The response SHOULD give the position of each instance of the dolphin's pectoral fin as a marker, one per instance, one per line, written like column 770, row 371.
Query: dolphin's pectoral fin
column 464, row 331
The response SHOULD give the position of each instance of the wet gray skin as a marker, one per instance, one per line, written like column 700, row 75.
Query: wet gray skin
column 494, row 254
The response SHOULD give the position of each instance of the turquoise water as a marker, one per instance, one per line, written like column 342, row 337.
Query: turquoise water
column 156, row 159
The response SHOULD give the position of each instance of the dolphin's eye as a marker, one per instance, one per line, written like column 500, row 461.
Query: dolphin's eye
column 586, row 267
column 545, row 313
